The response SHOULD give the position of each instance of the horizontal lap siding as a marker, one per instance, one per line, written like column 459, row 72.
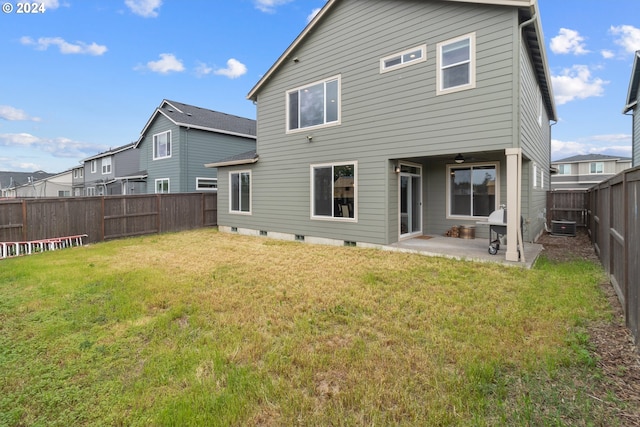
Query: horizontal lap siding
column 384, row 116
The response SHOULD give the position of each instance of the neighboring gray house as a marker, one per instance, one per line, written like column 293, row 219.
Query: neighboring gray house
column 179, row 138
column 633, row 97
column 9, row 180
column 58, row 185
column 111, row 172
column 77, row 180
column 390, row 119
column 584, row 171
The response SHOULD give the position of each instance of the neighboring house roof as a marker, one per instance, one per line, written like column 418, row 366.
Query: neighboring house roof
column 591, row 158
column 634, row 85
column 110, row 152
column 14, row 179
column 533, row 36
column 190, row 116
column 245, row 158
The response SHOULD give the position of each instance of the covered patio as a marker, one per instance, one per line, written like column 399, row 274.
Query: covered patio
column 465, row 249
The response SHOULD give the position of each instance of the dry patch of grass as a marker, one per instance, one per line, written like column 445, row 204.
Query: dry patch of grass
column 202, row 328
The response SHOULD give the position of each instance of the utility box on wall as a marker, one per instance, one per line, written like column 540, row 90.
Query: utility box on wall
column 563, row 228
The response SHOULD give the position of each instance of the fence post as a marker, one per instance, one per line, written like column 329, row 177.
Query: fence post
column 24, row 220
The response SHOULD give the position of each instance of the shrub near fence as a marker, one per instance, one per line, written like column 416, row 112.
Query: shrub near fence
column 105, row 217
column 614, row 223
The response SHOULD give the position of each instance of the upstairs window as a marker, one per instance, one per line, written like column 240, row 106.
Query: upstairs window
column 564, row 169
column 596, row 167
column 162, row 145
column 456, row 64
column 314, row 105
column 106, row 165
column 94, row 166
column 403, row 59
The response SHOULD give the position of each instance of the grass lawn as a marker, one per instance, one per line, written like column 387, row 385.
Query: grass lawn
column 205, row 328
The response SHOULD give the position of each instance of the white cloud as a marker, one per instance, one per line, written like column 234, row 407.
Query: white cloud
column 234, row 69
column 203, row 69
column 568, row 41
column 607, row 54
column 65, row 47
column 166, row 64
column 50, row 4
column 612, row 145
column 269, row 6
column 576, row 83
column 14, row 114
column 628, row 37
column 144, row 8
column 313, row 14
column 58, row 147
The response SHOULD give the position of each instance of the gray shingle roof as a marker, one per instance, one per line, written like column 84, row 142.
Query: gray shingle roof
column 590, row 158
column 189, row 115
column 11, row 179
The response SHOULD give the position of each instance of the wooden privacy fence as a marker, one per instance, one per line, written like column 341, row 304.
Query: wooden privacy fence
column 568, row 205
column 105, row 217
column 614, row 223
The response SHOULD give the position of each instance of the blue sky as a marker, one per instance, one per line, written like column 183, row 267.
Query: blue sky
column 86, row 75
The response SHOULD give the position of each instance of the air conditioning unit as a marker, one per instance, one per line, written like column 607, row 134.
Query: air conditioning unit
column 563, row 228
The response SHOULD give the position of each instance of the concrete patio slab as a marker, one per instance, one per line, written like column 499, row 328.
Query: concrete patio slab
column 465, row 249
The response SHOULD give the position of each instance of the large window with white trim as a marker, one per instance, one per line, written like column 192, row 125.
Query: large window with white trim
column 564, row 169
column 472, row 190
column 334, row 191
column 240, row 192
column 314, row 105
column 162, row 145
column 596, row 167
column 456, row 64
column 206, row 184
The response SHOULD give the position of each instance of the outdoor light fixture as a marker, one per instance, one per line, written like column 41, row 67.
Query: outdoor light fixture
column 397, row 169
column 459, row 159
column 309, row 138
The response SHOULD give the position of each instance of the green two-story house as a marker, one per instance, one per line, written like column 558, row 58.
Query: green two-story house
column 389, row 119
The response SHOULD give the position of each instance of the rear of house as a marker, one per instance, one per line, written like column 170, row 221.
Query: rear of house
column 633, row 97
column 386, row 120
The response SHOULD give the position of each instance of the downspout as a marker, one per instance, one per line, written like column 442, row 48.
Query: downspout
column 519, row 236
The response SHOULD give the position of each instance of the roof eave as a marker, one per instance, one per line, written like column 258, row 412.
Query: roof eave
column 233, row 162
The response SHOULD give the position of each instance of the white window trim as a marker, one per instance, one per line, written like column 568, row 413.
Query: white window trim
column 564, row 174
column 472, row 65
column 204, row 178
column 423, row 58
column 240, row 212
column 323, row 125
column 169, row 143
column 535, row 176
column 448, row 188
column 355, row 192
column 155, row 185
column 596, row 173
column 94, row 166
column 104, row 164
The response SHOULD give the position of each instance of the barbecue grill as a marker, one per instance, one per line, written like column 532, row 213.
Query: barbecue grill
column 497, row 225
column 497, row 222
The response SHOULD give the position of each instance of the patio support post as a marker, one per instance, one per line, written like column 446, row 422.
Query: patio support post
column 514, row 157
